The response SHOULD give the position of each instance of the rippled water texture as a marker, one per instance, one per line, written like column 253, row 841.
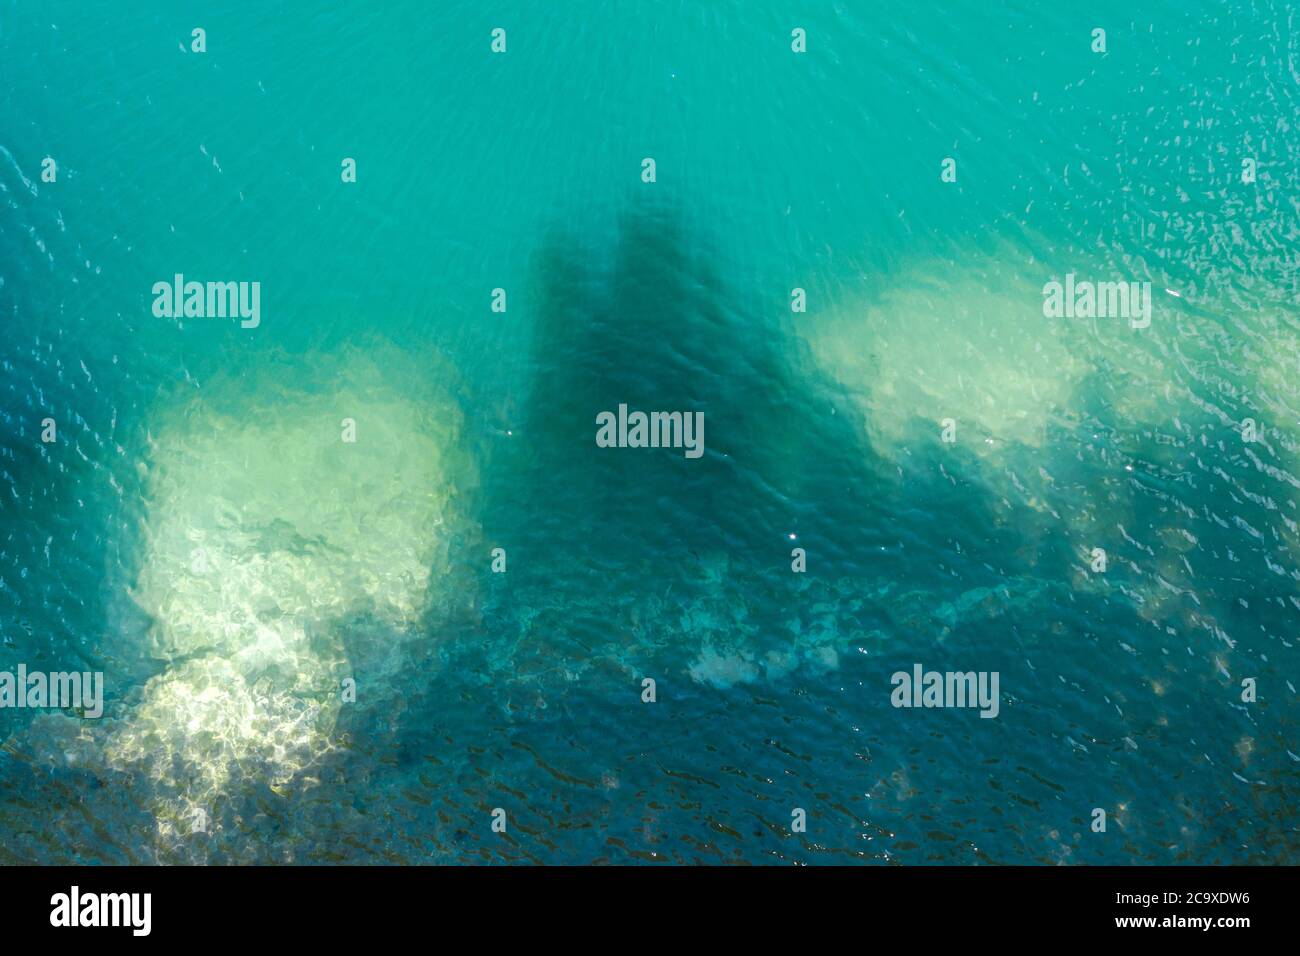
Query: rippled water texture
column 201, row 534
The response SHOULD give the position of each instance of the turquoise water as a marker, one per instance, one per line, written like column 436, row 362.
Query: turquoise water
column 200, row 534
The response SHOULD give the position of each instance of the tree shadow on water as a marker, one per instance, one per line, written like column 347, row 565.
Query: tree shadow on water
column 647, row 323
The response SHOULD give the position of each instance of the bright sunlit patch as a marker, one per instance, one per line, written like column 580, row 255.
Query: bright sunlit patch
column 265, row 531
column 969, row 344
